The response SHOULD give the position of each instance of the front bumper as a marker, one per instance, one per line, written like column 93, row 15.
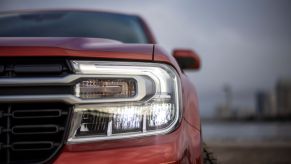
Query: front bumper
column 181, row 146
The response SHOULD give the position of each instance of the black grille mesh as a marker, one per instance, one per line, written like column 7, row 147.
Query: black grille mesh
column 31, row 133
column 34, row 67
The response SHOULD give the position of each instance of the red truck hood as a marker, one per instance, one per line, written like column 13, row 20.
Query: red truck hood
column 74, row 47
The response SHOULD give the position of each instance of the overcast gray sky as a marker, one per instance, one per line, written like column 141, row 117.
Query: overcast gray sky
column 242, row 43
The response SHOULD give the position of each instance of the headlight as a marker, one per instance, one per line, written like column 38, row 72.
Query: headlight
column 134, row 99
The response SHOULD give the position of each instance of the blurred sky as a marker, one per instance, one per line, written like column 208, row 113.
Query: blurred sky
column 242, row 43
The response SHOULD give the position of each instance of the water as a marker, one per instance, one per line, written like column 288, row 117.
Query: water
column 247, row 131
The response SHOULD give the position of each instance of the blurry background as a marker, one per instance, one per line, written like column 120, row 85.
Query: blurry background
column 244, row 85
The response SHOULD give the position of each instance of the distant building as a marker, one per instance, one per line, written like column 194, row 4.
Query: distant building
column 244, row 112
column 224, row 112
column 283, row 93
column 265, row 104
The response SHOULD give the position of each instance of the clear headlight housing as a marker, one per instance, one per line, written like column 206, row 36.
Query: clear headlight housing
column 123, row 100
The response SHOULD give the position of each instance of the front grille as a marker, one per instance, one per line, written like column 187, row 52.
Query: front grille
column 34, row 67
column 35, row 131
column 32, row 133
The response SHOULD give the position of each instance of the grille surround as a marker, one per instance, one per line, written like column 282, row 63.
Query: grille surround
column 34, row 67
column 33, row 131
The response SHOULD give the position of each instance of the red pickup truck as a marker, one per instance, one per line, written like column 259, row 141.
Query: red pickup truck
column 82, row 86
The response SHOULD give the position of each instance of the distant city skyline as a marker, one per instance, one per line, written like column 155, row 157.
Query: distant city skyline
column 244, row 44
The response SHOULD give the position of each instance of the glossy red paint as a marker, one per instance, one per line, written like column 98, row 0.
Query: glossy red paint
column 181, row 146
column 171, row 148
column 75, row 47
column 190, row 99
column 59, row 52
column 188, row 56
column 148, row 32
column 160, row 55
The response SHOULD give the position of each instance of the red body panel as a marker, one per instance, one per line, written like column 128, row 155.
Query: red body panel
column 75, row 47
column 58, row 52
column 181, row 146
column 190, row 99
column 171, row 148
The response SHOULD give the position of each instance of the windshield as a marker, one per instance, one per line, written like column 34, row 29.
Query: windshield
column 124, row 28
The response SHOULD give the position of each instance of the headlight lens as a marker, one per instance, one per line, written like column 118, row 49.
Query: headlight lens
column 105, row 88
column 138, row 99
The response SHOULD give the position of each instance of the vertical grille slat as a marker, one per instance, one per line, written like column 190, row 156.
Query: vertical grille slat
column 1, row 69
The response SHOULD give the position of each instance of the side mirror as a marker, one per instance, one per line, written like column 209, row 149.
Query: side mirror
column 187, row 59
